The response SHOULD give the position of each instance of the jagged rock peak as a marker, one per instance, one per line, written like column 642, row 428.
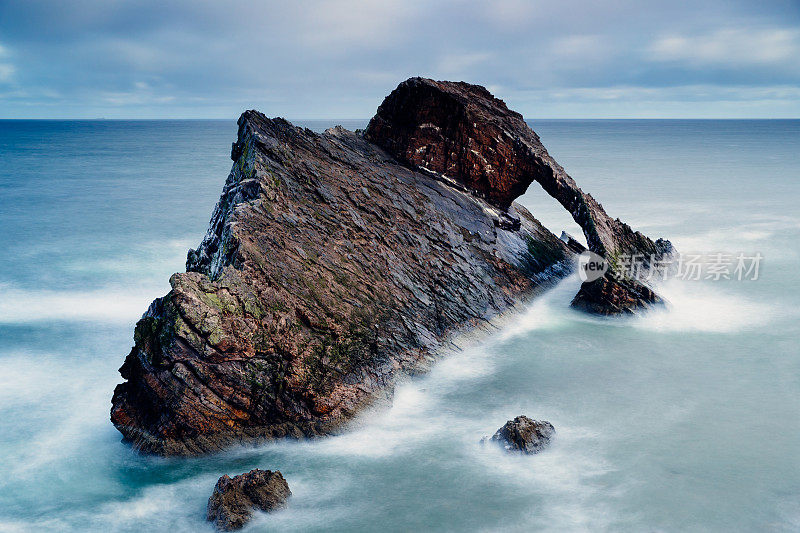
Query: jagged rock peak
column 460, row 132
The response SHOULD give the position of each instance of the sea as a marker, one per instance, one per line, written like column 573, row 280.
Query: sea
column 684, row 419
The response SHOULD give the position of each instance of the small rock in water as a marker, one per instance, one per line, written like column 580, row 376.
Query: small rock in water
column 524, row 435
column 231, row 505
column 612, row 296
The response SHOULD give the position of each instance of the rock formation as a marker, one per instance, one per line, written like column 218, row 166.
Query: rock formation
column 464, row 134
column 330, row 267
column 232, row 503
column 614, row 295
column 523, row 435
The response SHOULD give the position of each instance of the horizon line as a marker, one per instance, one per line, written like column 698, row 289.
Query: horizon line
column 139, row 119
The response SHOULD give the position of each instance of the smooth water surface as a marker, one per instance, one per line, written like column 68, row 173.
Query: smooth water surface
column 683, row 420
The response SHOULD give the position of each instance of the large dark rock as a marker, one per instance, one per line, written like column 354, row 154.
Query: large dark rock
column 330, row 268
column 459, row 131
column 524, row 435
column 232, row 503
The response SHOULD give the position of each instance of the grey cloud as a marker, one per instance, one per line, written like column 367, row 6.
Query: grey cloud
column 338, row 58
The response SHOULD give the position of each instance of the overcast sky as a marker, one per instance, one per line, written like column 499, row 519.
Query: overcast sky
column 339, row 58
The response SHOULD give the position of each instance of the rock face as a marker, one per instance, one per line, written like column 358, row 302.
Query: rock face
column 524, row 435
column 459, row 131
column 330, row 267
column 232, row 503
column 572, row 243
column 462, row 133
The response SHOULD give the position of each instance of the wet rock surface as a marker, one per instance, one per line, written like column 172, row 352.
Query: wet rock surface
column 331, row 267
column 234, row 499
column 523, row 434
column 572, row 243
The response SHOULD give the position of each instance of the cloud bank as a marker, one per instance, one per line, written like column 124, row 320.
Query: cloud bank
column 338, row 58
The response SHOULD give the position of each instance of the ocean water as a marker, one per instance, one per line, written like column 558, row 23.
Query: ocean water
column 686, row 419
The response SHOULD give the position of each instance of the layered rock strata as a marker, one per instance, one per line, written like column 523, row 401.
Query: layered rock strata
column 328, row 270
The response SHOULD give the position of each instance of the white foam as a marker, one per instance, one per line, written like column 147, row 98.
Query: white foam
column 380, row 433
column 99, row 305
column 75, row 397
column 175, row 507
column 691, row 306
column 698, row 306
column 317, row 501
column 566, row 476
column 547, row 311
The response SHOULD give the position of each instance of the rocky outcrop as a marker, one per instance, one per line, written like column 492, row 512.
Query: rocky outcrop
column 233, row 501
column 463, row 134
column 459, row 132
column 331, row 267
column 328, row 270
column 523, row 435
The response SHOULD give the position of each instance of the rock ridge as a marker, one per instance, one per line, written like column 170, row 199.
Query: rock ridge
column 336, row 262
column 328, row 270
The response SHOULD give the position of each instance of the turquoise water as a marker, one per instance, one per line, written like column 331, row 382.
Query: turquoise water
column 682, row 420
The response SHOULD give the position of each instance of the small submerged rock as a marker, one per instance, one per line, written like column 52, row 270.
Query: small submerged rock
column 524, row 435
column 231, row 505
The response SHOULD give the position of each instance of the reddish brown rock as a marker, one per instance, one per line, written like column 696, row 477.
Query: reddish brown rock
column 459, row 131
column 463, row 134
column 233, row 501
column 328, row 270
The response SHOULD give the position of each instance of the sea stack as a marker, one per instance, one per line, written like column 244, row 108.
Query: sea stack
column 336, row 262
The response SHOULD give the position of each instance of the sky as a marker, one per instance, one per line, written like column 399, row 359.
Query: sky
column 339, row 58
